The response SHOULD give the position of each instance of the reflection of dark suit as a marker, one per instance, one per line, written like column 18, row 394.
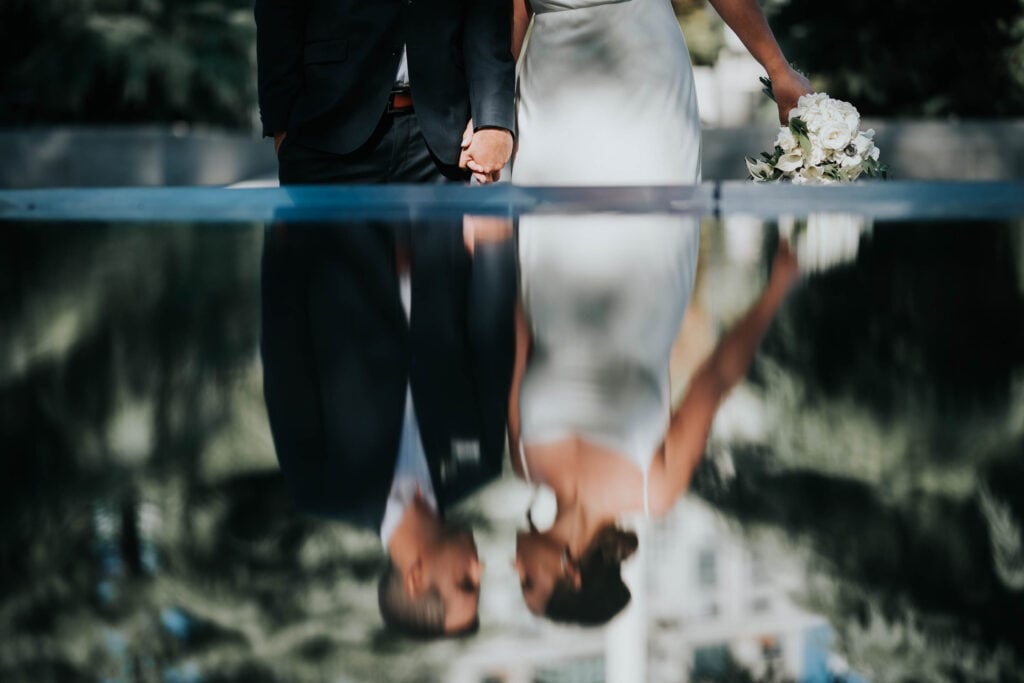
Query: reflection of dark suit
column 338, row 353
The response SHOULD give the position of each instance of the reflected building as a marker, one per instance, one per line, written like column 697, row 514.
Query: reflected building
column 709, row 599
column 717, row 596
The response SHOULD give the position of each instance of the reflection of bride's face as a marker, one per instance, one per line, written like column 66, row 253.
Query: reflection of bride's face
column 540, row 565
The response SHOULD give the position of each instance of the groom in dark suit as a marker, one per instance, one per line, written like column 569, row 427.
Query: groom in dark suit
column 387, row 364
column 376, row 91
column 378, row 419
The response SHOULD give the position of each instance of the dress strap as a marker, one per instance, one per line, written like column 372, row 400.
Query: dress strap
column 647, row 498
column 526, row 468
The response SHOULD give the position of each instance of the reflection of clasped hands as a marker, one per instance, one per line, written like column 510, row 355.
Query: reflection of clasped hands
column 485, row 152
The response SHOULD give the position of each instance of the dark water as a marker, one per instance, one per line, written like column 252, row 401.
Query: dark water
column 857, row 515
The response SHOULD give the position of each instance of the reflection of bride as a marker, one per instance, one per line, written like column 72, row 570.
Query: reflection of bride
column 589, row 411
column 606, row 97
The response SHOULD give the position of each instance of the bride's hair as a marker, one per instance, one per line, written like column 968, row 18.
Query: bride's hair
column 602, row 593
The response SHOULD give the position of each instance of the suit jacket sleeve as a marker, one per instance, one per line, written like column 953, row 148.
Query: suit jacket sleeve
column 490, row 68
column 280, row 31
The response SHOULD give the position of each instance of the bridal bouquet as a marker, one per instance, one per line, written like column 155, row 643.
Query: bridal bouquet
column 822, row 144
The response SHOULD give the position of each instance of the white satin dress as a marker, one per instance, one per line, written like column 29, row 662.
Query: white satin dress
column 606, row 98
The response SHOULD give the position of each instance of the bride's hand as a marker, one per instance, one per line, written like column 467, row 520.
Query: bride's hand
column 788, row 85
column 785, row 267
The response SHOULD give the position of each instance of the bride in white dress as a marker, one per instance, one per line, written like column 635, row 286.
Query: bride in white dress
column 606, row 97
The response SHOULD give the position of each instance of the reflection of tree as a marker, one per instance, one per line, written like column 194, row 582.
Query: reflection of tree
column 929, row 318
column 915, row 530
column 918, row 566
column 147, row 533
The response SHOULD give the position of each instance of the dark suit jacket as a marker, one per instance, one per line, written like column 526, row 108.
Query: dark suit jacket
column 338, row 353
column 326, row 68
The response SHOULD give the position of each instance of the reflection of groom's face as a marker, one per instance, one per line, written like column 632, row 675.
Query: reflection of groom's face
column 438, row 592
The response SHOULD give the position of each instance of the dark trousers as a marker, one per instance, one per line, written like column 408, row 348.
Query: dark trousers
column 395, row 153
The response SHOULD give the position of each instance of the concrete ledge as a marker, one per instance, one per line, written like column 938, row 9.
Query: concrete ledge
column 914, row 150
column 128, row 156
column 153, row 156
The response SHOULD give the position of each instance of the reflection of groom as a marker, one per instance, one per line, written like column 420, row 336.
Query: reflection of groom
column 387, row 365
column 377, row 91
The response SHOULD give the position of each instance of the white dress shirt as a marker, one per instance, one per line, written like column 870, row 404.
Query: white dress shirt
column 402, row 75
column 411, row 469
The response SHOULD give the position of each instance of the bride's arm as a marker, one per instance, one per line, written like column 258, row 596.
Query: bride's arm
column 521, row 15
column 748, row 22
column 522, row 332
column 688, row 431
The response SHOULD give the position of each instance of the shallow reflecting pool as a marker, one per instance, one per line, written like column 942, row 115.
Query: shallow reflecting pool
column 800, row 463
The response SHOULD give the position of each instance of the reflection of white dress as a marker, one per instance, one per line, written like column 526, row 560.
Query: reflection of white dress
column 604, row 302
column 606, row 96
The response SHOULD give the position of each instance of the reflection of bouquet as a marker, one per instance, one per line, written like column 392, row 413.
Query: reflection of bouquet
column 822, row 144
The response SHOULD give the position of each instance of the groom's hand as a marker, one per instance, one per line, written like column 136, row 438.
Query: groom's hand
column 467, row 138
column 485, row 152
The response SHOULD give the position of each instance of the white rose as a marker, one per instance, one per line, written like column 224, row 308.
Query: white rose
column 791, row 161
column 818, row 155
column 863, row 144
column 847, row 161
column 786, row 140
column 814, row 120
column 815, row 110
column 847, row 112
column 811, row 100
column 834, row 134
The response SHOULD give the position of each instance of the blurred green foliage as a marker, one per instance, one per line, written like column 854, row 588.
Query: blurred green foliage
column 909, row 58
column 702, row 29
column 112, row 61
column 109, row 61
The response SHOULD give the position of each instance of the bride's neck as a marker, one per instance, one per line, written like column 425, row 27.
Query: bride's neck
column 577, row 521
column 580, row 514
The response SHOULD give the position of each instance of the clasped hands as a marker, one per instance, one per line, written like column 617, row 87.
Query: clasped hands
column 485, row 152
